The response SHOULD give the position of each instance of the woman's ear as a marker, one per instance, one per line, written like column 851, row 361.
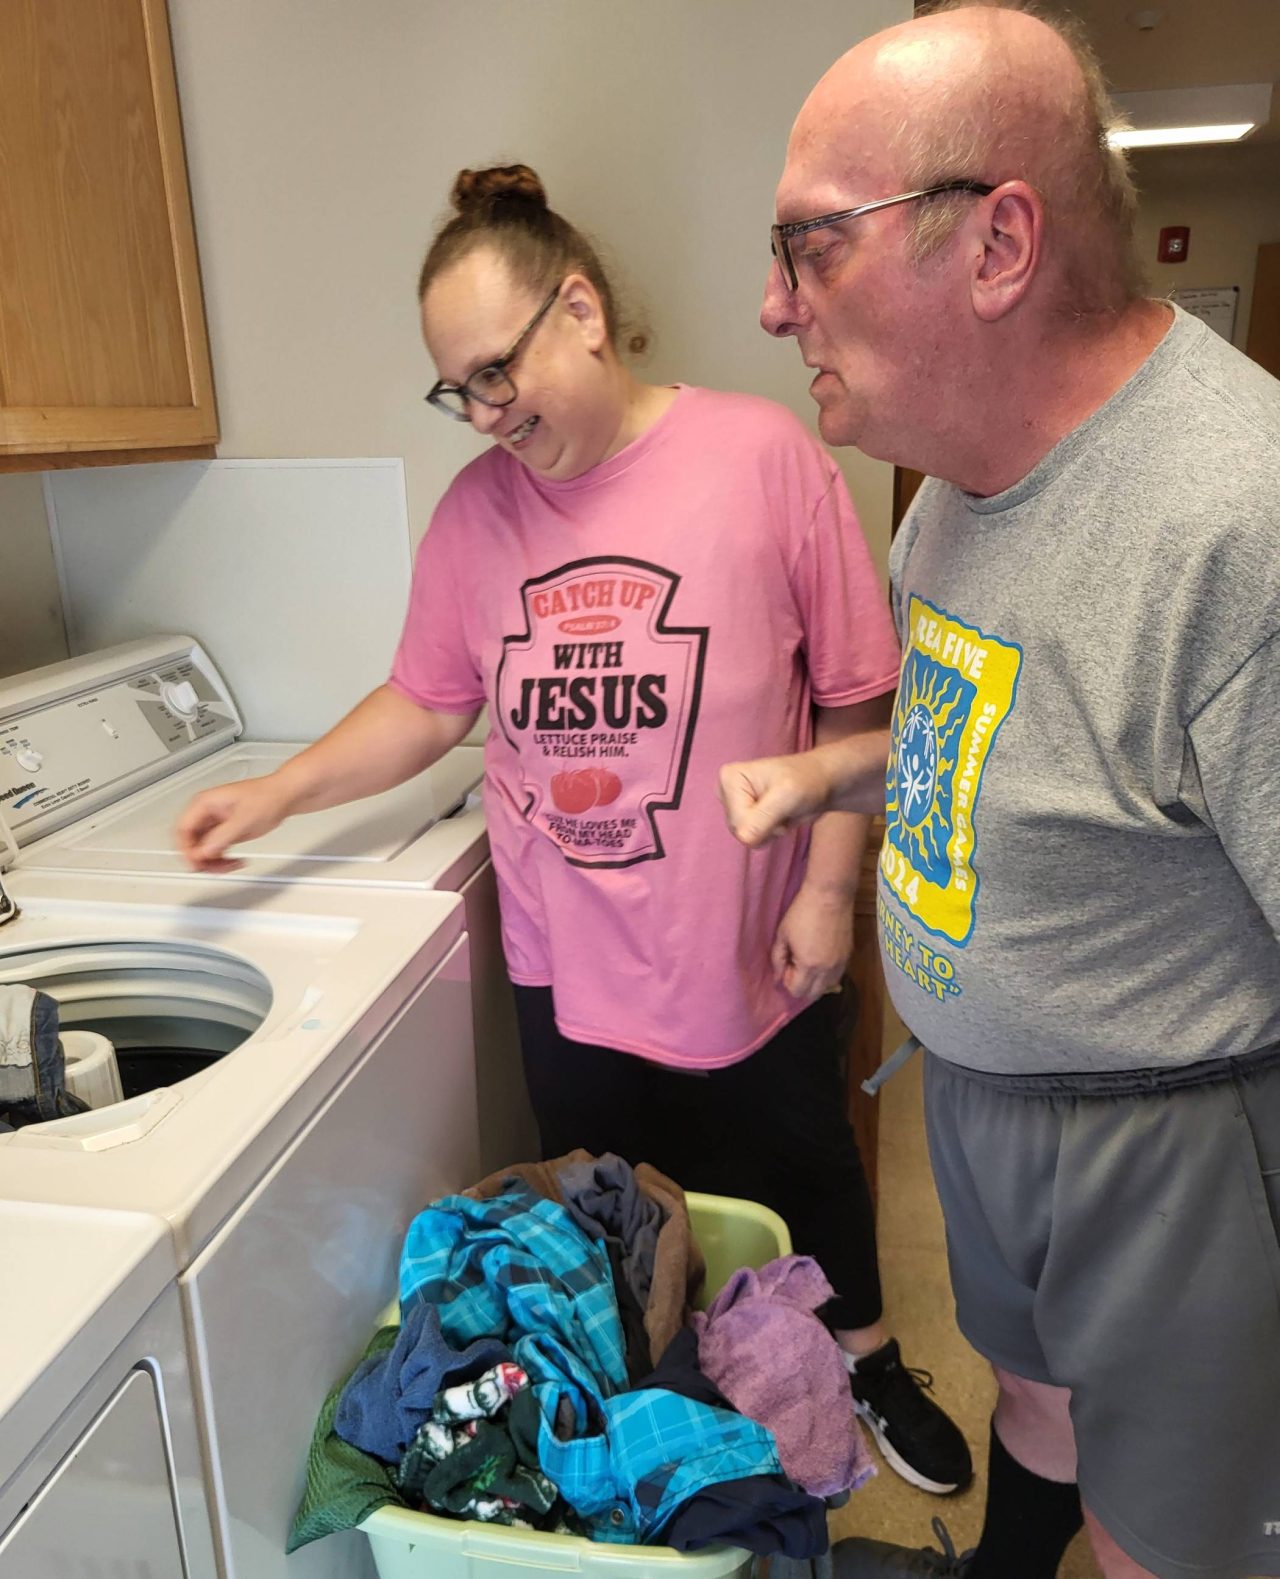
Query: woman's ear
column 581, row 300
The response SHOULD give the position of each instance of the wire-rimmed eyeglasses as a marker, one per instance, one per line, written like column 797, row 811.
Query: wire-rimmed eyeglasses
column 491, row 384
column 781, row 235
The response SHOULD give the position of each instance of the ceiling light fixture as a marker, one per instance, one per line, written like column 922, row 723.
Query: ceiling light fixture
column 1167, row 116
column 1169, row 136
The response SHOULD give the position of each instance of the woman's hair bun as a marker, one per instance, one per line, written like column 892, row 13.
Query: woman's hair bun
column 476, row 188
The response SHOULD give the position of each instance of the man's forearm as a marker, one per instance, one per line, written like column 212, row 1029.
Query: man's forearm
column 856, row 767
column 853, row 743
column 762, row 799
column 840, row 836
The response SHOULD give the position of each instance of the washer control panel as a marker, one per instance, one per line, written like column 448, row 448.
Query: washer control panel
column 78, row 735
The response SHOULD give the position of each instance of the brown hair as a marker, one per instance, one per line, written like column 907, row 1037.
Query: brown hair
column 1086, row 184
column 505, row 209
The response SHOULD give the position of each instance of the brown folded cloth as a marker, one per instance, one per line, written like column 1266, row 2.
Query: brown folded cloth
column 678, row 1267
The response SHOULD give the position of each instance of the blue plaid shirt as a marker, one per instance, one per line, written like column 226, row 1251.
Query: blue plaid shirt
column 656, row 1450
column 517, row 1267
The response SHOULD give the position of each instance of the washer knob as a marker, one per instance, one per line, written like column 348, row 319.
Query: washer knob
column 182, row 698
column 29, row 761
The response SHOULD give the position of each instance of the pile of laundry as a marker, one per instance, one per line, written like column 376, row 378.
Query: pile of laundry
column 548, row 1373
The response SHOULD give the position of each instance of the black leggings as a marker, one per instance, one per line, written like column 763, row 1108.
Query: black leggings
column 771, row 1128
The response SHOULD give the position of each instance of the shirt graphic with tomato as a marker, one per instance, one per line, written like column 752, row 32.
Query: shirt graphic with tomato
column 599, row 697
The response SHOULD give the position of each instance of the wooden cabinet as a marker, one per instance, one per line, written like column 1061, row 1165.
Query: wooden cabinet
column 103, row 348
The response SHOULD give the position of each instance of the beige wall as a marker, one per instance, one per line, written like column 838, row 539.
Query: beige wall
column 31, row 630
column 323, row 137
column 1230, row 198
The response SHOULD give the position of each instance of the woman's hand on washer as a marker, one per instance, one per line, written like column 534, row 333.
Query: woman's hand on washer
column 229, row 814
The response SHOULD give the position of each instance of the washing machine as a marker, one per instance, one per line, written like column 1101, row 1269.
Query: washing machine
column 426, row 834
column 297, row 1061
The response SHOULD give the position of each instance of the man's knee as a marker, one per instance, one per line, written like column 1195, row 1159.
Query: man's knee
column 1033, row 1420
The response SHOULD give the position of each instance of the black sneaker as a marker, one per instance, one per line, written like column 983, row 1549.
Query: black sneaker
column 917, row 1439
column 862, row 1559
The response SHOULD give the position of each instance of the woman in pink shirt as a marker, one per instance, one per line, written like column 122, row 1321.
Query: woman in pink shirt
column 641, row 582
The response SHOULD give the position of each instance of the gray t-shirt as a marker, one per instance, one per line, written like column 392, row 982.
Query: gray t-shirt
column 1081, row 868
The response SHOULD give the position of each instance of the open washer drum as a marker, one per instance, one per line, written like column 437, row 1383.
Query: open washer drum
column 168, row 1011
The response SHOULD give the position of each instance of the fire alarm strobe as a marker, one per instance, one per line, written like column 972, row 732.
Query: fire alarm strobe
column 1174, row 242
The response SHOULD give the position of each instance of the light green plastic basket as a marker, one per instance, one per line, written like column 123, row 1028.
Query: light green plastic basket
column 409, row 1545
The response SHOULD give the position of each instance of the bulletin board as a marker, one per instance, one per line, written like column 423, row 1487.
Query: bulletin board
column 1212, row 304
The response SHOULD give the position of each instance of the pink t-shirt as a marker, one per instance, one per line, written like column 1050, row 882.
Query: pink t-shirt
column 681, row 605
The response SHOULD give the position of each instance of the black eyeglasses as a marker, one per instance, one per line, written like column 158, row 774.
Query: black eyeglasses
column 781, row 234
column 491, row 385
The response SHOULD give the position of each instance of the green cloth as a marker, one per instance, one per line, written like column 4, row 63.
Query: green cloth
column 344, row 1485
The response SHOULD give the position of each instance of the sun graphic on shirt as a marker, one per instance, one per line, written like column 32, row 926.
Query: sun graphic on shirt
column 932, row 705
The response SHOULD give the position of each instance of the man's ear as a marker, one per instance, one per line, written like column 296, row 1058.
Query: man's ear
column 1011, row 231
column 582, row 301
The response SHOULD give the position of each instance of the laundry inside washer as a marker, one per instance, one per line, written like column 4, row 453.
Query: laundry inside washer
column 168, row 1011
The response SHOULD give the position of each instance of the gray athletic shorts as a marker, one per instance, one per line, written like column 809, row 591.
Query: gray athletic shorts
column 1120, row 1235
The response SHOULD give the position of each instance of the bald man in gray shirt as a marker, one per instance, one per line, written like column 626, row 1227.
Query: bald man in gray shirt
column 1080, row 879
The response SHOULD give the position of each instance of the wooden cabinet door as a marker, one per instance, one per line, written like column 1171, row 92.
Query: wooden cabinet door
column 1264, row 318
column 102, row 336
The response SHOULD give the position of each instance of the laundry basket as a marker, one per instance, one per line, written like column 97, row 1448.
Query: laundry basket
column 408, row 1545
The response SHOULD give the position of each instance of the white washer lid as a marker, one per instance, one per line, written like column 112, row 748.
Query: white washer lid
column 73, row 1284
column 412, row 836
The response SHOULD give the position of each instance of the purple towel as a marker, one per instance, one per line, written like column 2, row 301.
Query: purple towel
column 769, row 1354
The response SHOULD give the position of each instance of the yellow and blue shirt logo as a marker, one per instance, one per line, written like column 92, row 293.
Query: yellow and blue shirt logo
column 957, row 687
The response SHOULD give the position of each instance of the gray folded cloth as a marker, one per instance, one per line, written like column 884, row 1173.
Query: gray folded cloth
column 604, row 1198
column 32, row 1067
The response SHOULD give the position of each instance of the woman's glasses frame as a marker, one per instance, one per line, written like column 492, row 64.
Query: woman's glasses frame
column 492, row 384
